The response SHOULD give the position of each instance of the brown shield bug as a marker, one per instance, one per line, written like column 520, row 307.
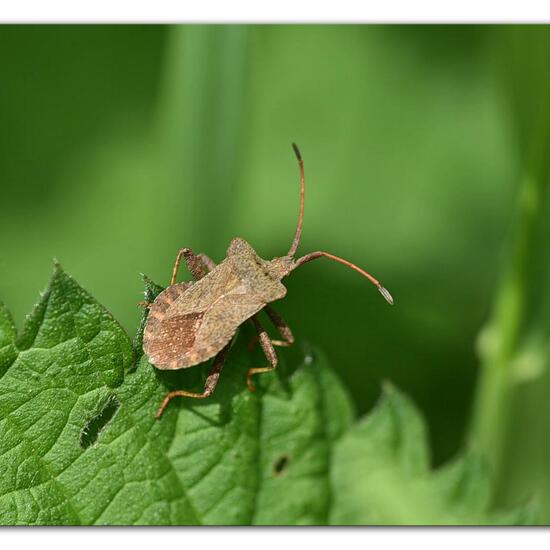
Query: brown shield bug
column 189, row 323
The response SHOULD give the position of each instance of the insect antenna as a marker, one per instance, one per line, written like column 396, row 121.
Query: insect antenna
column 315, row 255
column 298, row 235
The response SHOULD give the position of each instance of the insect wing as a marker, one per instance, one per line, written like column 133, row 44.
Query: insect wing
column 190, row 324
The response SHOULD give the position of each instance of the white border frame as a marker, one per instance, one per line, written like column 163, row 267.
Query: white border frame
column 274, row 11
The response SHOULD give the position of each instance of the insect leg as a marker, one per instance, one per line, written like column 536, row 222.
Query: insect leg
column 176, row 267
column 197, row 266
column 209, row 385
column 269, row 351
column 282, row 327
column 206, row 261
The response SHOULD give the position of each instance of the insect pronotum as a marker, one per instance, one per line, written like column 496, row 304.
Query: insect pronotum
column 189, row 323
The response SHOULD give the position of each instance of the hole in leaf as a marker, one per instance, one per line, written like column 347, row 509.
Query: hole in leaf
column 92, row 429
column 280, row 465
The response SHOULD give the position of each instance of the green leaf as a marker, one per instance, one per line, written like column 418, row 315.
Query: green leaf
column 237, row 458
column 69, row 357
column 7, row 339
column 381, row 475
column 80, row 444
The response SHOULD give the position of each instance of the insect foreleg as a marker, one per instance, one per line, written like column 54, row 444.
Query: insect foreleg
column 269, row 351
column 209, row 385
column 282, row 327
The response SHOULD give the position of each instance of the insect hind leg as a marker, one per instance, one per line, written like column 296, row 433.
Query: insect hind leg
column 209, row 385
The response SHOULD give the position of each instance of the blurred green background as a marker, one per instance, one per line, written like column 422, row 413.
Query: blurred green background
column 425, row 155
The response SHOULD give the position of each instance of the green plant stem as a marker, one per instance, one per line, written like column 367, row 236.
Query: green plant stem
column 505, row 333
column 201, row 119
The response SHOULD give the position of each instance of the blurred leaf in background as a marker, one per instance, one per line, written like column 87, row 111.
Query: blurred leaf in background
column 121, row 144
